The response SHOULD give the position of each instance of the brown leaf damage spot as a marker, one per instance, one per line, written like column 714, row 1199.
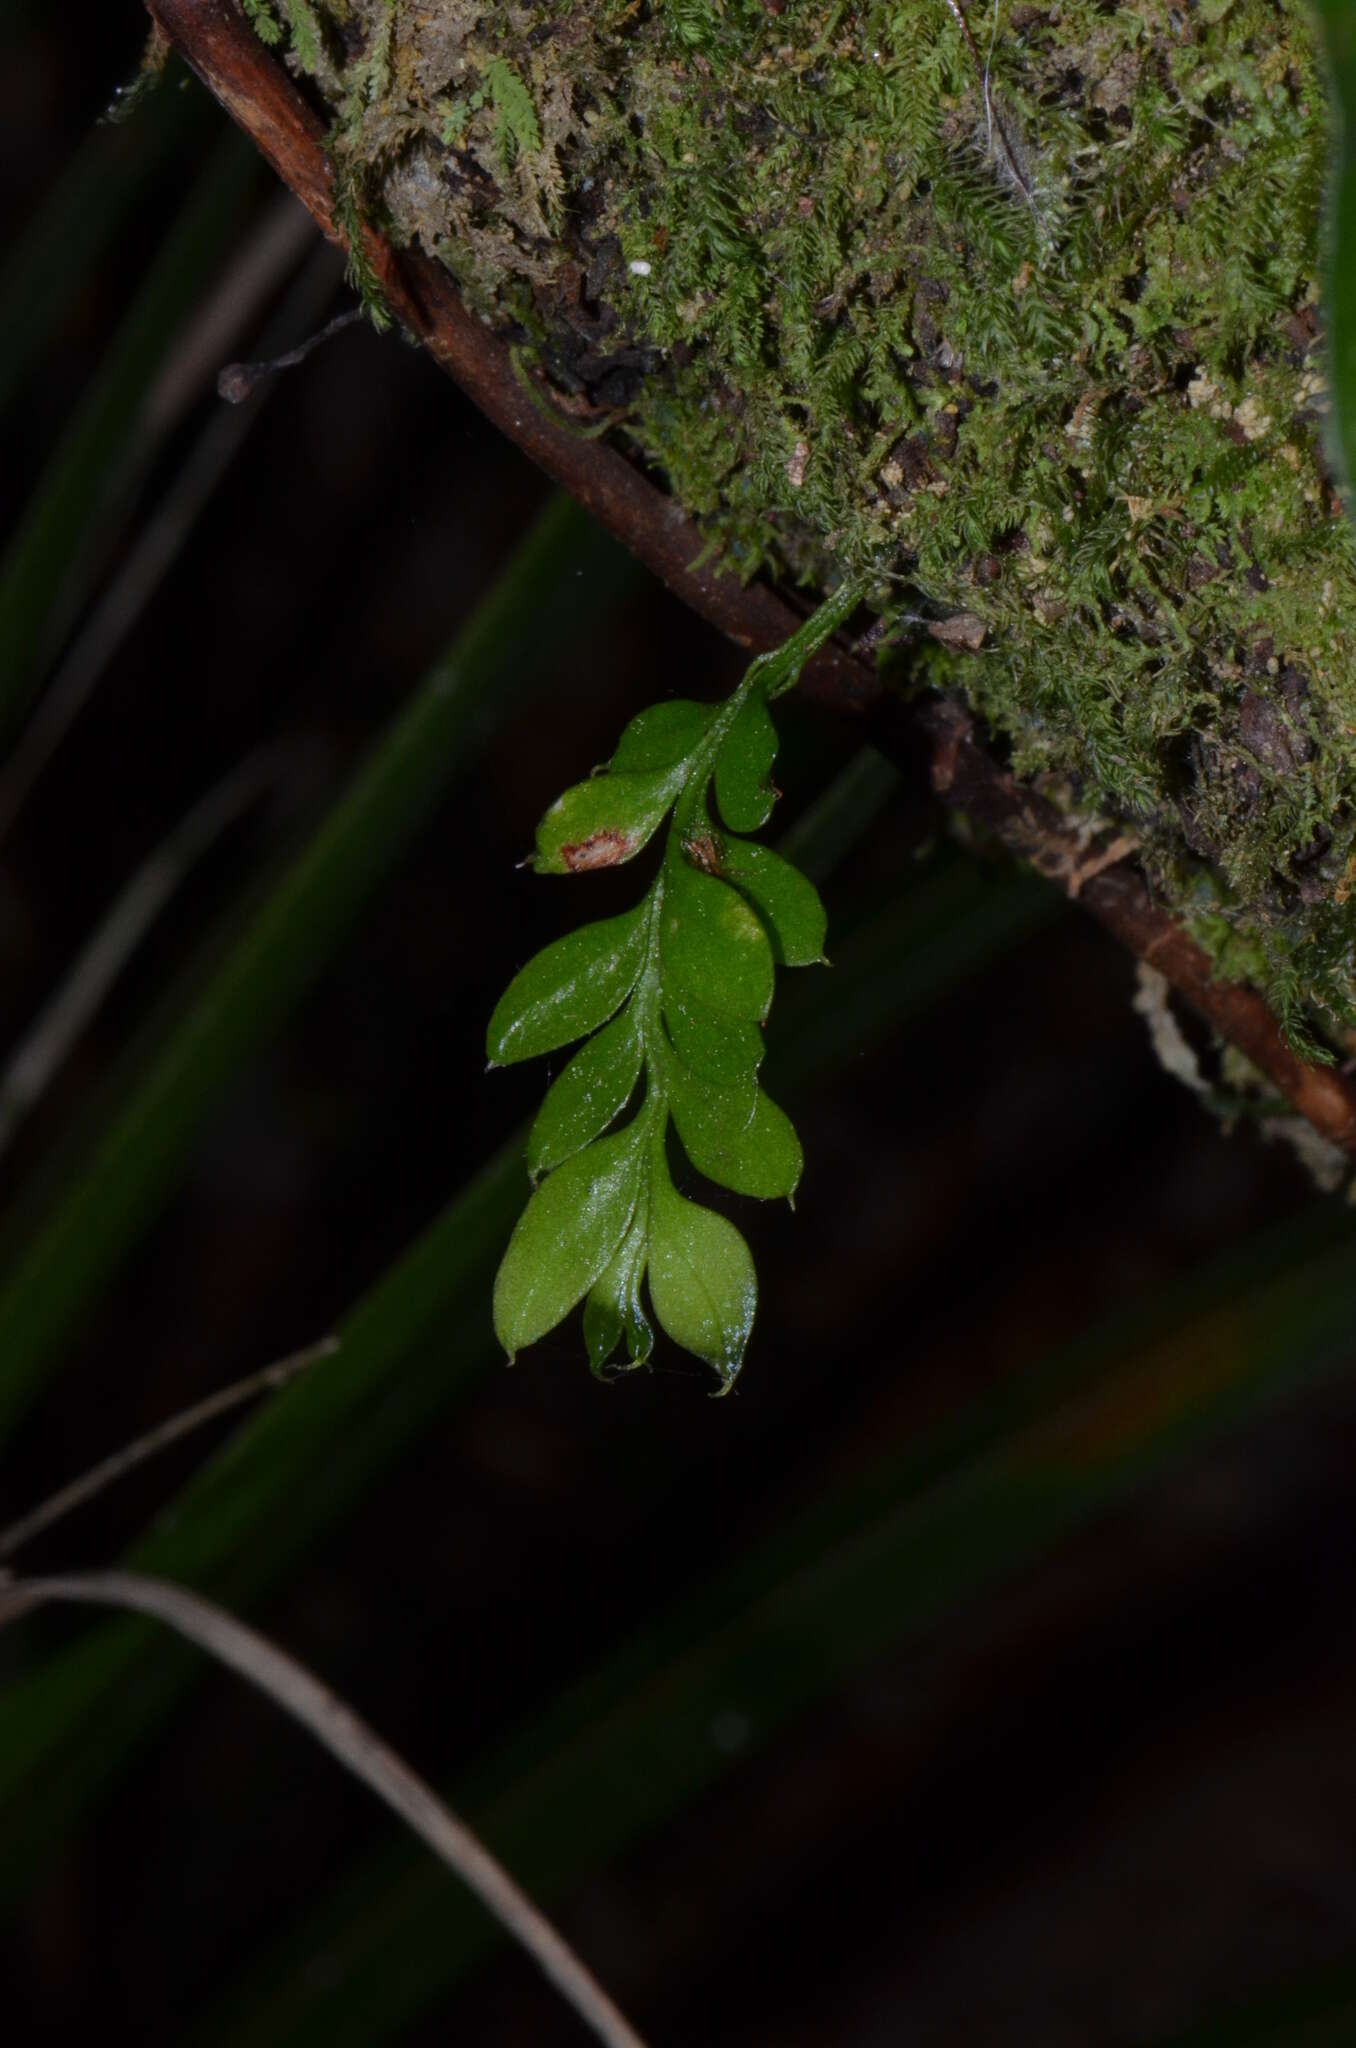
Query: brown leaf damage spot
column 964, row 630
column 600, row 850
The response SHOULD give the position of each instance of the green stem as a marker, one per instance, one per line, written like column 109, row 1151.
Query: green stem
column 774, row 674
column 649, row 1023
column 782, row 667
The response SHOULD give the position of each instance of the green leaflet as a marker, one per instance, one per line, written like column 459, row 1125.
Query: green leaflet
column 712, row 944
column 744, row 788
column 662, row 736
column 600, row 824
column 582, row 1101
column 571, row 987
column 702, row 1281
column 566, row 1236
column 613, row 1309
column 759, row 1156
column 716, row 1048
column 787, row 903
column 691, row 972
column 711, row 1111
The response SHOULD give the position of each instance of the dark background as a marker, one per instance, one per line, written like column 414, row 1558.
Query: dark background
column 1101, row 1803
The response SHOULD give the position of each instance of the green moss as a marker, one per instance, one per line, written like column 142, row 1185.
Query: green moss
column 1047, row 357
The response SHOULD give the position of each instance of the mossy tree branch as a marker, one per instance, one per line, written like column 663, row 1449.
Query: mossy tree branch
column 256, row 91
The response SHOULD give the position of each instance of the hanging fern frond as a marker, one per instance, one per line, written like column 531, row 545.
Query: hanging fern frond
column 674, row 994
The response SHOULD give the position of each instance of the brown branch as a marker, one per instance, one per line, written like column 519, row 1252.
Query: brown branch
column 965, row 777
column 256, row 91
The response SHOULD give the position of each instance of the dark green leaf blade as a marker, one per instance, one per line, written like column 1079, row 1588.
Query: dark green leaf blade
column 613, row 1309
column 568, row 989
column 715, row 1048
column 566, row 1236
column 788, row 904
column 662, row 736
column 603, row 822
column 744, row 788
column 711, row 1109
column 713, row 945
column 583, row 1099
column 758, row 1154
column 702, row 1281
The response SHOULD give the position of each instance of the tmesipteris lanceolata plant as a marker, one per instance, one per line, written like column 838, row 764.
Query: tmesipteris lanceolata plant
column 674, row 993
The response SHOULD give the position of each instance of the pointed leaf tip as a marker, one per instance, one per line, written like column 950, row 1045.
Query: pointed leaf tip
column 751, row 1150
column 566, row 1236
column 788, row 903
column 702, row 1280
column 613, row 1309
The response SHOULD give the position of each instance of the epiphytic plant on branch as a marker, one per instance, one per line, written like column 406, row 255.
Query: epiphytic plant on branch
column 842, row 341
column 675, row 991
column 1067, row 520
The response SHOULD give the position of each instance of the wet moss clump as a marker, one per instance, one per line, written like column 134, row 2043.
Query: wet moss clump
column 1025, row 329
